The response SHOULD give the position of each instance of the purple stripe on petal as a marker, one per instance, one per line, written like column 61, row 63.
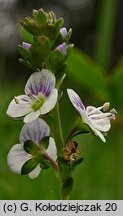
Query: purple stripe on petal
column 40, row 82
column 78, row 102
column 31, row 89
column 45, row 88
column 34, row 131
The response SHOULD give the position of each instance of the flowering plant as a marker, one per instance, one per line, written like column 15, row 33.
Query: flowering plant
column 41, row 143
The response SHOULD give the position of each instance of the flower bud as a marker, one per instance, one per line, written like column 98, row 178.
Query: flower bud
column 26, row 46
column 62, row 48
column 63, row 32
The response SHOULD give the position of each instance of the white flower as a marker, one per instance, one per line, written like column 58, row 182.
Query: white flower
column 34, row 131
column 98, row 121
column 40, row 97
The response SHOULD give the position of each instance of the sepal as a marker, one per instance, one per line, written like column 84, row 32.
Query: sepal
column 68, row 36
column 30, row 165
column 26, row 54
column 30, row 25
column 45, row 164
column 40, row 17
column 45, row 142
column 31, row 148
column 81, row 127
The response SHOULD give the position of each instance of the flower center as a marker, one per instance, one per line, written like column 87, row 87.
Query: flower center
column 38, row 103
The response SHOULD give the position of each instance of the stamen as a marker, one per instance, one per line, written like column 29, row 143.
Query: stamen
column 95, row 110
column 16, row 100
column 106, row 106
column 113, row 116
column 101, row 115
column 113, row 111
column 33, row 96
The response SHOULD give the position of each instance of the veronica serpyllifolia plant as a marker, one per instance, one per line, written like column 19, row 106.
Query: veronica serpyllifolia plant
column 41, row 143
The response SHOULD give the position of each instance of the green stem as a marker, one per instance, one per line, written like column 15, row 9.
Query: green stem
column 58, row 131
column 69, row 136
column 108, row 9
column 63, row 170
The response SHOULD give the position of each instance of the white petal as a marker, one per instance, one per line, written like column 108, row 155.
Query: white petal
column 40, row 83
column 102, row 124
column 75, row 100
column 19, row 106
column 51, row 150
column 17, row 157
column 31, row 116
column 34, row 173
column 34, row 131
column 50, row 103
column 98, row 119
column 100, row 135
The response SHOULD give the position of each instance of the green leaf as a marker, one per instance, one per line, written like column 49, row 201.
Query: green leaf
column 31, row 147
column 67, row 187
column 89, row 74
column 76, row 163
column 29, row 166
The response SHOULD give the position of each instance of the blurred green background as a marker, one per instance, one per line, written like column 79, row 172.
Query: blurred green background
column 95, row 72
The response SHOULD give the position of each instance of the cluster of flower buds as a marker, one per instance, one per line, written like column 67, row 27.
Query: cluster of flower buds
column 41, row 144
column 50, row 42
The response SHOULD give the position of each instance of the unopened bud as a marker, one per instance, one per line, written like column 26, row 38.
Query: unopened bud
column 26, row 46
column 62, row 48
column 63, row 32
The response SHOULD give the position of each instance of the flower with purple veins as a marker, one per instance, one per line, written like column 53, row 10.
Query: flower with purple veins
column 40, row 97
column 35, row 131
column 95, row 118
